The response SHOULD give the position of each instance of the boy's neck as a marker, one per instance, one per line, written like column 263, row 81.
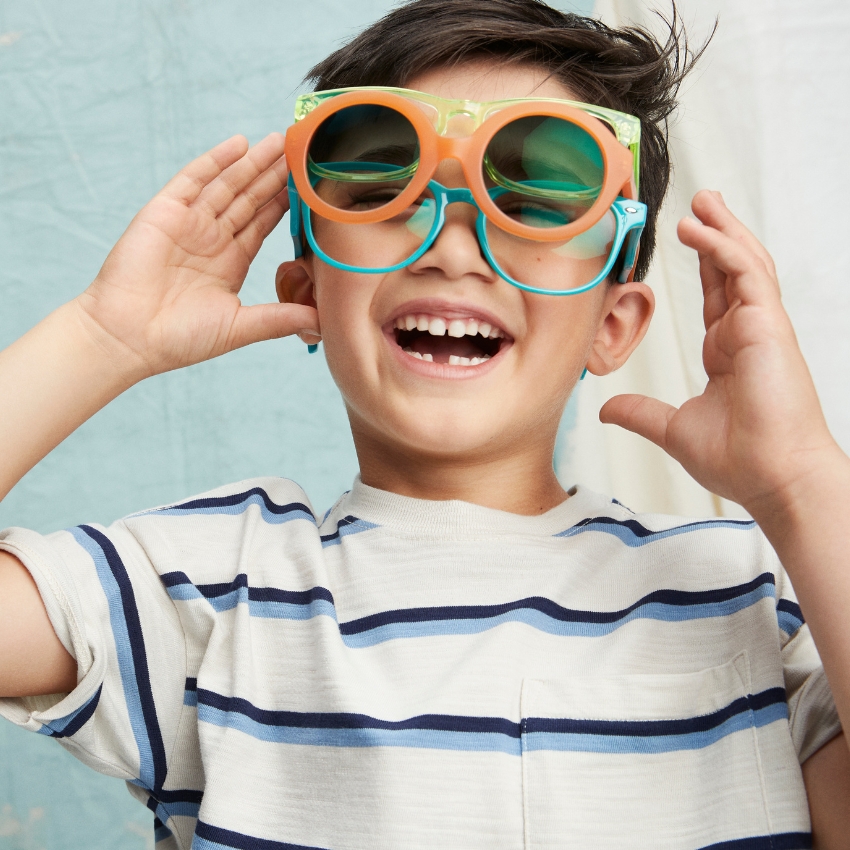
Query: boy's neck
column 522, row 483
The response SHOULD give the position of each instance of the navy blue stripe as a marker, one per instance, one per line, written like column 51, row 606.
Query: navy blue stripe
column 174, row 579
column 191, row 684
column 633, row 533
column 656, row 728
column 763, row 699
column 784, row 841
column 137, row 649
column 350, row 720
column 347, row 520
column 550, row 608
column 642, row 531
column 791, row 608
column 237, row 499
column 183, row 795
column 239, row 841
column 80, row 719
column 536, row 611
column 498, row 725
column 255, row 594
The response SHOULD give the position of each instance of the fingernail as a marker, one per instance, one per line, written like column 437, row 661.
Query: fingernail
column 720, row 198
column 309, row 336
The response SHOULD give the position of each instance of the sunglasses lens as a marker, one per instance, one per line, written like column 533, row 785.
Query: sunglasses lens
column 543, row 172
column 362, row 157
column 562, row 265
column 381, row 245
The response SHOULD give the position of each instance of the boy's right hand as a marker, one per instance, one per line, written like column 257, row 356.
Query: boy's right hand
column 167, row 295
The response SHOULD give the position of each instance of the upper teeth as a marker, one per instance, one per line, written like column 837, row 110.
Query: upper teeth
column 436, row 326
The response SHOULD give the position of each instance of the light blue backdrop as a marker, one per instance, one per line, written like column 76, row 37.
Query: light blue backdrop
column 100, row 103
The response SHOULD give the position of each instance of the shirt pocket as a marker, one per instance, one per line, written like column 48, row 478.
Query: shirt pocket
column 672, row 761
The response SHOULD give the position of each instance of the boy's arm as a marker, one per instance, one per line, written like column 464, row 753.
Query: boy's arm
column 33, row 660
column 757, row 435
column 166, row 297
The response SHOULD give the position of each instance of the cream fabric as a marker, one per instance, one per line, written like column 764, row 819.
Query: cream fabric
column 760, row 120
column 418, row 674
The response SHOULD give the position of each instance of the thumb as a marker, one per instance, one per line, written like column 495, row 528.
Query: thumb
column 272, row 321
column 645, row 416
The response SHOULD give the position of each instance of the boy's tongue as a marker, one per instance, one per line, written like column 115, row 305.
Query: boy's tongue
column 442, row 347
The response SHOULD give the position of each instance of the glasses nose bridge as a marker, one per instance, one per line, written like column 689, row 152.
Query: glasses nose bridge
column 456, row 148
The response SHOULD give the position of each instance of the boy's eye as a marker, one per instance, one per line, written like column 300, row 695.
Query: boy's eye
column 372, row 199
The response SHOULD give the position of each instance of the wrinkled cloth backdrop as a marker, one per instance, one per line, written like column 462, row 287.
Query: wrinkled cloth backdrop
column 761, row 121
column 101, row 102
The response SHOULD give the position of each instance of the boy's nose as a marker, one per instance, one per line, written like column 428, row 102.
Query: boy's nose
column 456, row 252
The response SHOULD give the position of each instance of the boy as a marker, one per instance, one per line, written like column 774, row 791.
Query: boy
column 460, row 654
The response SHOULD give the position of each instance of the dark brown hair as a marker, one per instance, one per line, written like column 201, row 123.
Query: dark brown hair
column 626, row 69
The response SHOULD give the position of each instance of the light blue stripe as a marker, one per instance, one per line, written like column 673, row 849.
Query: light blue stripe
column 190, row 698
column 240, row 508
column 490, row 741
column 126, row 665
column 184, row 592
column 544, row 623
column 788, row 622
column 173, row 810
column 419, row 738
column 639, row 744
column 349, row 528
column 627, row 536
column 166, row 811
column 531, row 617
column 199, row 843
column 62, row 723
column 291, row 611
column 264, row 609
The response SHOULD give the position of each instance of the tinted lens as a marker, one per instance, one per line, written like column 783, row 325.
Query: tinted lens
column 381, row 245
column 362, row 157
column 547, row 172
column 565, row 265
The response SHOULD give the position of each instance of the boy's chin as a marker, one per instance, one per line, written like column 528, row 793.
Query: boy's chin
column 437, row 435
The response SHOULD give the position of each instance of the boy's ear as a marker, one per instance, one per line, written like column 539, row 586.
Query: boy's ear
column 626, row 313
column 294, row 285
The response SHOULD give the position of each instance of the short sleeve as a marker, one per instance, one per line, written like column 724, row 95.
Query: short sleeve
column 112, row 613
column 811, row 709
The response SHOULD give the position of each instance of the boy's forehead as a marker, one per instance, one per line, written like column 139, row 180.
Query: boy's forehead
column 484, row 80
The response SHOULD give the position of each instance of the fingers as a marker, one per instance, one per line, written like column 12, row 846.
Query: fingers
column 711, row 209
column 190, row 181
column 218, row 195
column 744, row 273
column 271, row 184
column 645, row 416
column 251, row 237
column 272, row 321
column 713, row 282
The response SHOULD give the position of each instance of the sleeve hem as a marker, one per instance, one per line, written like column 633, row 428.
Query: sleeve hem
column 60, row 608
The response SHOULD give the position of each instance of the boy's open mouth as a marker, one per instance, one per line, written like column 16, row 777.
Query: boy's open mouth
column 456, row 342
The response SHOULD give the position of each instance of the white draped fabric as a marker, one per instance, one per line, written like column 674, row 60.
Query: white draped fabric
column 762, row 119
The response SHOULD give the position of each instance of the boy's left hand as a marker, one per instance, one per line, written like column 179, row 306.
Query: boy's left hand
column 757, row 432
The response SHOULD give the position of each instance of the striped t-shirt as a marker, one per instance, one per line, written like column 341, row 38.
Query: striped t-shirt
column 416, row 674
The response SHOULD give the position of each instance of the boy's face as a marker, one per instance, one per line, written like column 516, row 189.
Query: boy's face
column 408, row 410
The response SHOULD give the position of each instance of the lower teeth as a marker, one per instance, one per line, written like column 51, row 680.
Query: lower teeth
column 429, row 358
column 454, row 359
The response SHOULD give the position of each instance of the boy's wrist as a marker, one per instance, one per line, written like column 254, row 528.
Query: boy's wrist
column 825, row 479
column 116, row 363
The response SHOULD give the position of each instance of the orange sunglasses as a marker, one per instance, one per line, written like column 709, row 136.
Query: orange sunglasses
column 603, row 141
